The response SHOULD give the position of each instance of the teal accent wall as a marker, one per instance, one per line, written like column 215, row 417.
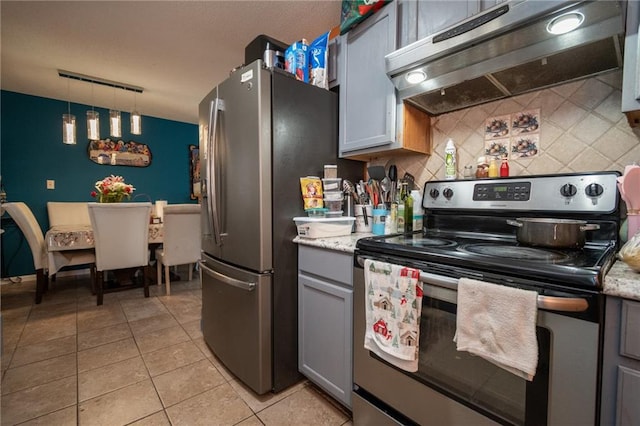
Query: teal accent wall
column 32, row 152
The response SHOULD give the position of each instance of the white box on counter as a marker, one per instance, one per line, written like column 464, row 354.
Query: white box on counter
column 324, row 227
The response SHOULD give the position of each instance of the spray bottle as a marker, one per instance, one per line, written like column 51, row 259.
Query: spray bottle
column 450, row 169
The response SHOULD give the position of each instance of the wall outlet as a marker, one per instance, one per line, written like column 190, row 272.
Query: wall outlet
column 51, row 184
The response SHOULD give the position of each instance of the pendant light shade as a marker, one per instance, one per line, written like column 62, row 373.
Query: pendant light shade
column 136, row 123
column 93, row 125
column 68, row 122
column 69, row 129
column 115, row 124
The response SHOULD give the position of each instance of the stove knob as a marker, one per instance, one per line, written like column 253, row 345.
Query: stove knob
column 568, row 190
column 434, row 193
column 594, row 190
column 448, row 193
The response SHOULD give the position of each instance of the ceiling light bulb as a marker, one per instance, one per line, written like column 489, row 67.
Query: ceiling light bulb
column 415, row 77
column 564, row 23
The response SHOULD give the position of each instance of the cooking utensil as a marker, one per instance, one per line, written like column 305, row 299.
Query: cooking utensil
column 550, row 232
column 411, row 181
column 631, row 187
column 385, row 186
column 376, row 172
column 393, row 176
column 349, row 189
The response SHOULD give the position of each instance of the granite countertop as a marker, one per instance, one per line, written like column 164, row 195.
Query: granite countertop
column 346, row 243
column 622, row 281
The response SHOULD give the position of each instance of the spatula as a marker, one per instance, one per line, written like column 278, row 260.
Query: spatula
column 631, row 187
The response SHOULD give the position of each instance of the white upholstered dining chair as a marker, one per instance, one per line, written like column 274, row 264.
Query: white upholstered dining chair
column 121, row 235
column 28, row 224
column 181, row 240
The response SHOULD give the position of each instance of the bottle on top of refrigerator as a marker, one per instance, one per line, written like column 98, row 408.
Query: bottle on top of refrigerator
column 417, row 210
column 450, row 160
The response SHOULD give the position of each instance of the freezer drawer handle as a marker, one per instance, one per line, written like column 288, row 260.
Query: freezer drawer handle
column 560, row 304
column 244, row 285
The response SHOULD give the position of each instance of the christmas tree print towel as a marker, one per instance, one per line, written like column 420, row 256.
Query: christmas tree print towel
column 393, row 302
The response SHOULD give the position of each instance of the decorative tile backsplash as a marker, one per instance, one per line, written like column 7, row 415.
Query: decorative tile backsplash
column 581, row 124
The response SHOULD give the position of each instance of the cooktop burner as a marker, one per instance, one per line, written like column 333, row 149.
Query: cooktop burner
column 430, row 242
column 515, row 252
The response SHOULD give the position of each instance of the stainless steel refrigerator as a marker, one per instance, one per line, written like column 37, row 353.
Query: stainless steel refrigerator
column 260, row 131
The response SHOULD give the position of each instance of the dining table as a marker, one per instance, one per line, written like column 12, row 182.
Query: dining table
column 62, row 239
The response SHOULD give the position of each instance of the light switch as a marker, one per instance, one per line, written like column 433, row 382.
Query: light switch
column 51, row 184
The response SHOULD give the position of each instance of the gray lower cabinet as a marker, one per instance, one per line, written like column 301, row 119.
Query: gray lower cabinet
column 325, row 292
column 621, row 363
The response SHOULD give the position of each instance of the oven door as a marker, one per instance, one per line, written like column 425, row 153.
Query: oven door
column 452, row 387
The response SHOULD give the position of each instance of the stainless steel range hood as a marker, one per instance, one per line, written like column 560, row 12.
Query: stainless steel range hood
column 507, row 51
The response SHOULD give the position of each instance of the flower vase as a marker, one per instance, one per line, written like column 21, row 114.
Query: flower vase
column 110, row 198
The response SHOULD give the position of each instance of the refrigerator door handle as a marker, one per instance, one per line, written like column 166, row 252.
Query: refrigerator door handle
column 212, row 172
column 244, row 285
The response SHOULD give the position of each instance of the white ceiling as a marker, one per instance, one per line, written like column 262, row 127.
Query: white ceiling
column 177, row 51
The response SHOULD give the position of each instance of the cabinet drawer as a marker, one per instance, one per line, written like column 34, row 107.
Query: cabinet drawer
column 334, row 265
column 629, row 336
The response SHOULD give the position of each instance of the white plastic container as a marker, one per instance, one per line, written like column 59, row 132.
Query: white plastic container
column 332, row 184
column 324, row 227
column 450, row 167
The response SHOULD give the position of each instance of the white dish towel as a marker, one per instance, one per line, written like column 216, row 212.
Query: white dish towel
column 393, row 303
column 498, row 323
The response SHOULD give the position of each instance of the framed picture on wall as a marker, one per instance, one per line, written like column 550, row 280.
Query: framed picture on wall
column 194, row 171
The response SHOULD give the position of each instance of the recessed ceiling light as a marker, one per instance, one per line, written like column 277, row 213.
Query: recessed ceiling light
column 415, row 77
column 565, row 23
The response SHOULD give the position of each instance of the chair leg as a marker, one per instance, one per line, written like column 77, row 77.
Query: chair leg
column 159, row 273
column 98, row 285
column 145, row 281
column 92, row 271
column 41, row 284
column 167, row 279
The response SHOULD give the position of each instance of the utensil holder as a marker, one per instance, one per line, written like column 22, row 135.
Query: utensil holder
column 364, row 217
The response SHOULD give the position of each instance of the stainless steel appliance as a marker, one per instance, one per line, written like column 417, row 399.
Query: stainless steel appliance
column 466, row 235
column 508, row 50
column 260, row 131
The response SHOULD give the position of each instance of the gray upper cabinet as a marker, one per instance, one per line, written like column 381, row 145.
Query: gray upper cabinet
column 367, row 95
column 333, row 65
column 631, row 68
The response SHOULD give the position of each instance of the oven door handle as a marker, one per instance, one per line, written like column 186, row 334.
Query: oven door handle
column 551, row 303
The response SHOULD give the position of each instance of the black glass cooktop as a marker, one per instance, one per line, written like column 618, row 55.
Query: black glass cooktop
column 499, row 254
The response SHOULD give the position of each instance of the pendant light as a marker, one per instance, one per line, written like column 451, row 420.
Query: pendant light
column 68, row 123
column 93, row 122
column 115, row 124
column 136, row 119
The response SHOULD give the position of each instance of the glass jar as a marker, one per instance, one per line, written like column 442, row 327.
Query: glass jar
column 468, row 172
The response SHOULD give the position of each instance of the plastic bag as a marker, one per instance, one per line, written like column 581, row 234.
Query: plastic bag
column 355, row 11
column 318, row 52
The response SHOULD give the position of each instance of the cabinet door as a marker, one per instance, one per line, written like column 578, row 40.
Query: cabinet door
column 628, row 410
column 333, row 74
column 367, row 95
column 324, row 335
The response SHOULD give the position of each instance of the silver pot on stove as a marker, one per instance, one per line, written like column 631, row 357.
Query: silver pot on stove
column 551, row 232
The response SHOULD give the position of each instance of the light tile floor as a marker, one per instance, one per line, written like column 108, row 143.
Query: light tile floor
column 132, row 361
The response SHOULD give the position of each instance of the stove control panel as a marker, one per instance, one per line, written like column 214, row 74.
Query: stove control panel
column 504, row 191
column 579, row 192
